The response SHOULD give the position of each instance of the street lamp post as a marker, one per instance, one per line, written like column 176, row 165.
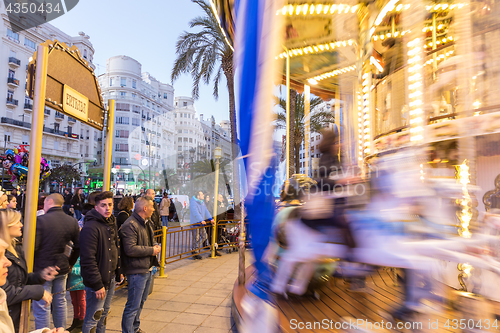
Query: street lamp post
column 149, row 144
column 217, row 155
column 192, row 151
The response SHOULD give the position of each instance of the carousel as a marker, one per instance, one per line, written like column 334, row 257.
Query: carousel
column 412, row 85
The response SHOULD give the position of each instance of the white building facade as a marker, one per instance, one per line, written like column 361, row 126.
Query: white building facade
column 65, row 139
column 144, row 125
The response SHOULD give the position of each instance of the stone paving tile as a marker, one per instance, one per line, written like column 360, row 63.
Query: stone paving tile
column 185, row 298
column 153, row 303
column 209, row 300
column 218, row 293
column 144, row 313
column 201, row 309
column 204, row 284
column 174, row 306
column 203, row 329
column 164, row 316
column 173, row 289
column 194, row 291
column 217, row 322
column 190, row 318
column 152, row 326
column 227, row 302
column 181, row 283
column 162, row 296
column 177, row 328
column 223, row 311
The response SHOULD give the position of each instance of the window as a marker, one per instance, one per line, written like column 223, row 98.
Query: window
column 134, row 96
column 134, row 84
column 56, row 144
column 10, row 94
column 26, row 139
column 185, row 103
column 121, row 147
column 190, row 140
column 70, row 130
column 312, row 138
column 110, row 82
column 179, row 131
column 122, row 107
column 121, row 134
column 7, row 136
column 136, row 121
column 185, row 139
column 122, row 120
column 165, row 96
column 123, row 82
column 29, row 43
column 179, row 139
column 12, row 74
column 123, row 94
column 85, row 54
column 44, row 142
column 68, row 146
column 12, row 35
column 317, row 137
column 56, row 127
column 179, row 148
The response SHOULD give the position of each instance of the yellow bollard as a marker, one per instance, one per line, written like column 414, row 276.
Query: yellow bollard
column 163, row 252
column 218, row 152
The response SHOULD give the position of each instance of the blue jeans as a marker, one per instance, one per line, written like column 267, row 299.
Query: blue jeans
column 164, row 220
column 97, row 310
column 198, row 236
column 78, row 214
column 58, row 306
column 138, row 289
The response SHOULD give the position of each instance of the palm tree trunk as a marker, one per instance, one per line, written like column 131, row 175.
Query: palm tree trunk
column 227, row 66
column 291, row 131
column 296, row 156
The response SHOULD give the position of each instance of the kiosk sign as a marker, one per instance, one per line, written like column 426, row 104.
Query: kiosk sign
column 75, row 104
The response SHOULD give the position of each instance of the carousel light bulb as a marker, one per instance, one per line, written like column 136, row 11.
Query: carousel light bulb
column 399, row 7
column 298, row 9
column 325, row 9
column 347, row 8
column 311, row 9
column 290, row 9
column 333, row 8
column 319, row 8
column 407, row 6
column 382, row 37
column 396, row 34
column 305, row 9
column 283, row 10
column 389, row 35
column 321, row 47
column 444, row 6
column 440, row 27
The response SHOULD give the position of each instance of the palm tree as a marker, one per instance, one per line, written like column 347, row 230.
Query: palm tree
column 207, row 56
column 318, row 120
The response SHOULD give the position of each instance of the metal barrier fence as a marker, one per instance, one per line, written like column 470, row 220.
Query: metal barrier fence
column 186, row 241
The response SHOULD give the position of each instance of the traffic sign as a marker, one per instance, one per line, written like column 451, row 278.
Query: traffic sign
column 117, row 167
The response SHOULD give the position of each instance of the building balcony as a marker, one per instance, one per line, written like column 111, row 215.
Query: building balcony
column 71, row 119
column 28, row 107
column 14, row 62
column 46, row 112
column 12, row 82
column 12, row 102
column 59, row 116
column 6, row 120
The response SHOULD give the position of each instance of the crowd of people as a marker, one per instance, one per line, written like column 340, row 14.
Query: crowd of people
column 88, row 245
column 80, row 247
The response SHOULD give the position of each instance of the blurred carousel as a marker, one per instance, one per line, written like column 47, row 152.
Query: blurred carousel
column 418, row 77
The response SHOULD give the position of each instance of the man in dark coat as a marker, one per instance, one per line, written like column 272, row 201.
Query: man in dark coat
column 156, row 217
column 67, row 201
column 55, row 231
column 139, row 257
column 100, row 261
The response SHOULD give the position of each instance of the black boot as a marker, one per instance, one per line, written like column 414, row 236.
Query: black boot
column 76, row 325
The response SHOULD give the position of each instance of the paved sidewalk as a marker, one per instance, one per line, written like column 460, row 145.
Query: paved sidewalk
column 195, row 297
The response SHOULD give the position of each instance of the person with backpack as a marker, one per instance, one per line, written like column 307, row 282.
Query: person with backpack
column 125, row 207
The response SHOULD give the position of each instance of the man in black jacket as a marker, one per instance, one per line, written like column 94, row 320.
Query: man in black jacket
column 67, row 201
column 54, row 232
column 100, row 261
column 155, row 217
column 139, row 256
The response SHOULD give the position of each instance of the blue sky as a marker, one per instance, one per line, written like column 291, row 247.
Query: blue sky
column 147, row 31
